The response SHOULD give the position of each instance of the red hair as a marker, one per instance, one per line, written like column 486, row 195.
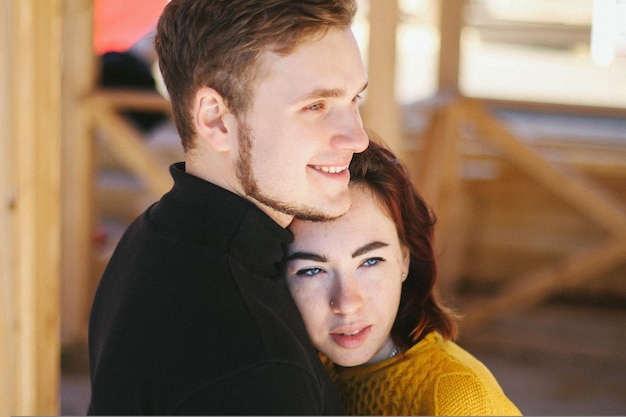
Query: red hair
column 420, row 311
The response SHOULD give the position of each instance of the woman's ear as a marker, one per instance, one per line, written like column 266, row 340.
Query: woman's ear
column 209, row 114
column 406, row 262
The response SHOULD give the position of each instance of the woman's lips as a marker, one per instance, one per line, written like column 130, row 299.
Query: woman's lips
column 351, row 339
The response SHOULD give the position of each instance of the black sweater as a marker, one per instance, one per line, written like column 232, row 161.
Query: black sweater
column 192, row 315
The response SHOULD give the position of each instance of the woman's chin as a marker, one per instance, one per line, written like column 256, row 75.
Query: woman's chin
column 349, row 361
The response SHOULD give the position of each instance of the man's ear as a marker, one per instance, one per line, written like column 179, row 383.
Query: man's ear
column 210, row 112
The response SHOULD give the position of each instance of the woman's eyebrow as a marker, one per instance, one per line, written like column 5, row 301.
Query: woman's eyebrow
column 368, row 247
column 321, row 258
column 307, row 256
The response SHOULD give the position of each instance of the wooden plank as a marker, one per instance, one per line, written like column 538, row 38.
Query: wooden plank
column 442, row 153
column 559, row 108
column 127, row 144
column 134, row 100
column 437, row 177
column 588, row 197
column 380, row 109
column 29, row 361
column 8, row 192
column 537, row 285
column 449, row 230
column 426, row 173
column 78, row 214
column 450, row 27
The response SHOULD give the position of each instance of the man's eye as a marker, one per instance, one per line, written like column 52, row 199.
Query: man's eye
column 309, row 272
column 315, row 107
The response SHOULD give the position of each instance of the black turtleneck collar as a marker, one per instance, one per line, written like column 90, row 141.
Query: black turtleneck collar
column 209, row 215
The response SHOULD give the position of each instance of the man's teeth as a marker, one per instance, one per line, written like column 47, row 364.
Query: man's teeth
column 331, row 170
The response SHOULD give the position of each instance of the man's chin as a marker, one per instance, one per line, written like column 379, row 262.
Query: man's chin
column 321, row 215
column 316, row 217
column 327, row 212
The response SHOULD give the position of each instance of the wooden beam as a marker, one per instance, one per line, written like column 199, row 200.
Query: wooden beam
column 8, row 191
column 438, row 179
column 380, row 110
column 588, row 198
column 127, row 145
column 538, row 285
column 450, row 27
column 30, row 76
column 440, row 167
column 127, row 99
column 78, row 215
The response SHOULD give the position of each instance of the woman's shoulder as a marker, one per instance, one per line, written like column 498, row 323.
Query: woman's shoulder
column 445, row 355
column 459, row 382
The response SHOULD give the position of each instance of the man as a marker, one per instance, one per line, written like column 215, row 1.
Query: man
column 191, row 315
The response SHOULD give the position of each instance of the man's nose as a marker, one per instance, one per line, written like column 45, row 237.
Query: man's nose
column 350, row 133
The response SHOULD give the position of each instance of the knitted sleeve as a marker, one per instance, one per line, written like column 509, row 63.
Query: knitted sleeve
column 466, row 394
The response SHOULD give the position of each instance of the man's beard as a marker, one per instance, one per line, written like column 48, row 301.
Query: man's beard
column 245, row 176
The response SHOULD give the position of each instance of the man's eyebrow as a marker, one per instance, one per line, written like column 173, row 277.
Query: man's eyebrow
column 369, row 247
column 307, row 256
column 327, row 93
column 322, row 93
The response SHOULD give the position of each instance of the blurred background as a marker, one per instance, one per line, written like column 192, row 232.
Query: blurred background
column 511, row 115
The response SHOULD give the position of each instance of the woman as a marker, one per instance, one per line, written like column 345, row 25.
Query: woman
column 364, row 284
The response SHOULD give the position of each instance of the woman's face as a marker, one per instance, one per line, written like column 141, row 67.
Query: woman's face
column 346, row 278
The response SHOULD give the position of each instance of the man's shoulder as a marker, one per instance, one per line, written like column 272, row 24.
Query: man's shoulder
column 271, row 387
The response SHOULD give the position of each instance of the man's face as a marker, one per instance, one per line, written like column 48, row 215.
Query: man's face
column 297, row 139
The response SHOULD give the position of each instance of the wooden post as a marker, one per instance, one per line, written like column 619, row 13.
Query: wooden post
column 380, row 109
column 450, row 27
column 437, row 176
column 7, row 225
column 30, row 143
column 78, row 172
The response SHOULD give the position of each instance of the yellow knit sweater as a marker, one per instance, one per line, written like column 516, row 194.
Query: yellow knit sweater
column 434, row 377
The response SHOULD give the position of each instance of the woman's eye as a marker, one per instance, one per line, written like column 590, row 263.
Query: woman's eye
column 309, row 272
column 372, row 261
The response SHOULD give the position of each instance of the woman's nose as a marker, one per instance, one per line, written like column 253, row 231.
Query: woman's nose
column 346, row 297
